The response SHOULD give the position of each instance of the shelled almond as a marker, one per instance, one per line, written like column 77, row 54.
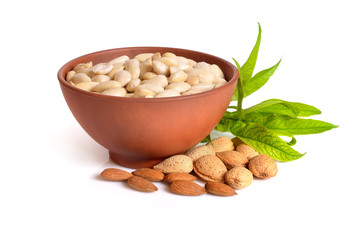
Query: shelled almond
column 224, row 165
column 149, row 174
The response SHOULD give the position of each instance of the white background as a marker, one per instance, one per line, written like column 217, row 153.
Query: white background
column 49, row 165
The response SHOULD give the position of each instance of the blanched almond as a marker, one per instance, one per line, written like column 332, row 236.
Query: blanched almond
column 117, row 92
column 69, row 75
column 115, row 70
column 119, row 60
column 179, row 76
column 160, row 68
column 217, row 71
column 101, row 87
column 148, row 90
column 148, row 75
column 132, row 66
column 179, row 86
column 123, row 77
column 169, row 61
column 133, row 84
column 146, row 66
column 169, row 54
column 100, row 78
column 168, row 93
column 81, row 66
column 80, row 77
column 102, row 68
column 87, row 86
column 143, row 56
column 202, row 87
column 158, row 80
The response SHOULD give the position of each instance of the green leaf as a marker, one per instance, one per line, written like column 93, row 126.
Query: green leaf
column 277, row 106
column 255, row 117
column 258, row 80
column 292, row 142
column 260, row 138
column 207, row 139
column 293, row 109
column 264, row 104
column 304, row 110
column 249, row 65
column 238, row 66
column 265, row 141
column 246, row 71
column 261, row 125
column 230, row 115
column 289, row 126
column 226, row 124
column 240, row 77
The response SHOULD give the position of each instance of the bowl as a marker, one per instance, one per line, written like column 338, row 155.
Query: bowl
column 141, row 132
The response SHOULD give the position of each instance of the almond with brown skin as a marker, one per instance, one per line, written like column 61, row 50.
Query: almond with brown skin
column 179, row 176
column 141, row 184
column 219, row 189
column 186, row 187
column 115, row 174
column 149, row 174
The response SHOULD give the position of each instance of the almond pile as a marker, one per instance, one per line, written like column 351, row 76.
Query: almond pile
column 224, row 164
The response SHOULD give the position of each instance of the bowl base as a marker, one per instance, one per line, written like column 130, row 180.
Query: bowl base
column 133, row 162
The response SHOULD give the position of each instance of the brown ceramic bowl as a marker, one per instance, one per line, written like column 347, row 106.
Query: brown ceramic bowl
column 140, row 132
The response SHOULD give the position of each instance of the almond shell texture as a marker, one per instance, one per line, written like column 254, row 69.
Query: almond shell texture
column 210, row 168
column 248, row 151
column 263, row 166
column 176, row 163
column 232, row 159
column 239, row 177
column 221, row 144
column 200, row 151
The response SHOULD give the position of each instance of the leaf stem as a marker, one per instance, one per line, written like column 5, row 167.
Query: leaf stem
column 240, row 99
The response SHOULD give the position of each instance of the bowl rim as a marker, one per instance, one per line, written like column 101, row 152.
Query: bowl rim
column 63, row 82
